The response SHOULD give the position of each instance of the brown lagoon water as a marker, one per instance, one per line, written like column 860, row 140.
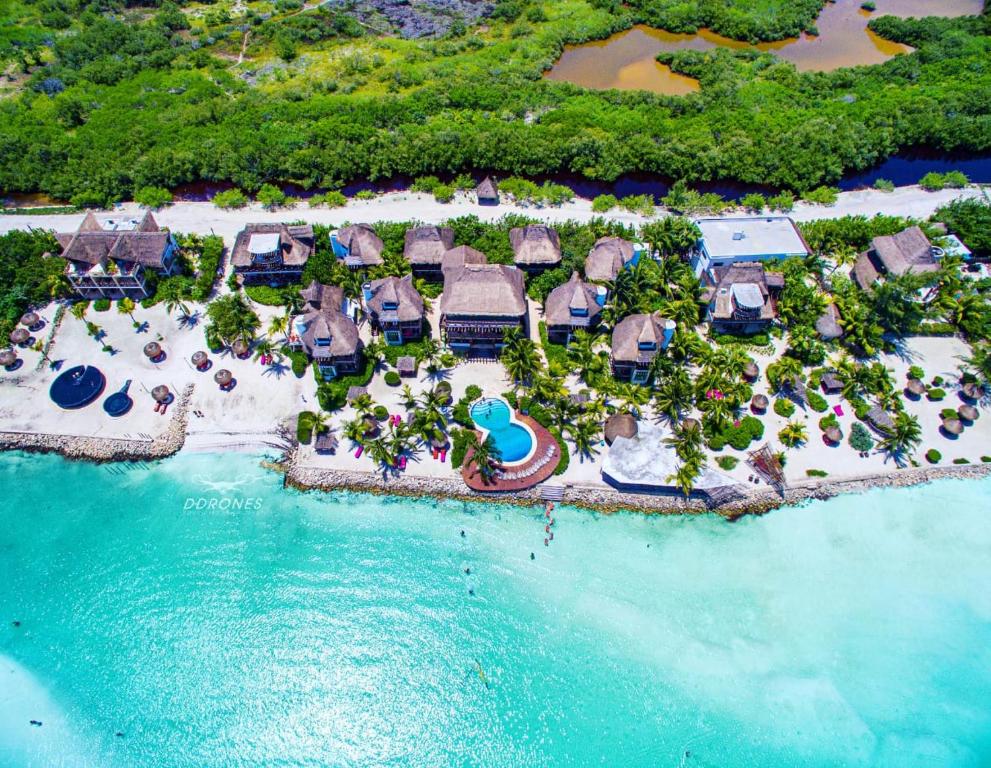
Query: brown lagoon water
column 626, row 60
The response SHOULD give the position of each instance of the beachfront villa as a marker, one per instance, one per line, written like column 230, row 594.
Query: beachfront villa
column 480, row 303
column 424, row 249
column 726, row 241
column 395, row 308
column 456, row 258
column 741, row 298
column 112, row 260
column 536, row 247
column 357, row 246
column 610, row 256
column 572, row 306
column 271, row 254
column 898, row 254
column 636, row 341
column 327, row 335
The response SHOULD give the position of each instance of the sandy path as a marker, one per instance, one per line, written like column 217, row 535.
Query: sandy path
column 204, row 218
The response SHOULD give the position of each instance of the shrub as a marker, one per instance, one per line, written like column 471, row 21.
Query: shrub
column 784, row 407
column 915, row 372
column 473, row 392
column 365, row 194
column 753, row 202
column 828, row 421
column 821, row 196
column 860, row 439
column 739, row 437
column 642, row 204
column 757, row 339
column 565, row 460
column 425, row 184
column 933, row 456
column 816, row 473
column 443, row 193
column 937, row 381
column 932, row 182
column 304, row 427
column 267, row 295
column 153, row 197
column 604, row 203
column 861, row 409
column 392, row 378
column 208, row 264
column 271, row 196
column 882, row 185
column 986, row 459
column 727, row 462
column 230, row 198
column 817, row 402
column 332, row 199
column 955, row 179
column 462, row 413
column 299, row 361
column 935, row 394
column 783, row 203
column 459, row 445
column 101, row 305
column 961, row 461
column 947, row 413
column 380, row 412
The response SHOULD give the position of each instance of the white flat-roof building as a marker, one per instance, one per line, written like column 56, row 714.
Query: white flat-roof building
column 752, row 238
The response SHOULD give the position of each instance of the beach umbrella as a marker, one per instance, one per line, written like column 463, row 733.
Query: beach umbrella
column 620, row 425
column 953, row 426
column 967, row 413
column 19, row 336
column 371, row 426
column 240, row 347
column 30, row 319
column 751, row 371
column 972, row 391
column 160, row 393
column 200, row 359
column 834, row 435
column 915, row 388
column 153, row 350
column 223, row 377
column 759, row 403
column 7, row 358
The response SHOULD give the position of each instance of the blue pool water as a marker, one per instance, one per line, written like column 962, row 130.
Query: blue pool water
column 512, row 439
column 214, row 618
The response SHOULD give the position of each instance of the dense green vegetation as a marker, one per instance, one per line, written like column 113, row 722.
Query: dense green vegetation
column 25, row 277
column 127, row 98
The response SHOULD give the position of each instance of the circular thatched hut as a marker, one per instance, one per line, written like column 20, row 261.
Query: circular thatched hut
column 223, row 377
column 153, row 350
column 915, row 389
column 30, row 319
column 161, row 393
column 620, row 425
column 953, row 427
column 7, row 358
column 759, row 403
column 751, row 371
column 833, row 435
column 200, row 359
column 19, row 336
column 968, row 413
column 972, row 391
column 240, row 348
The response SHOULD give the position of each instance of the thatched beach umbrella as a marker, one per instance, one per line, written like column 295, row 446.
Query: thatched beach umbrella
column 972, row 391
column 153, row 350
column 200, row 359
column 620, row 425
column 30, row 319
column 371, row 426
column 240, row 348
column 7, row 358
column 19, row 336
column 834, row 435
column 161, row 393
column 223, row 377
column 751, row 371
column 953, row 426
column 968, row 413
column 759, row 403
column 915, row 389
column 440, row 443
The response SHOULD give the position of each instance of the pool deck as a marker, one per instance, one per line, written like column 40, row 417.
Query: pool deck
column 545, row 442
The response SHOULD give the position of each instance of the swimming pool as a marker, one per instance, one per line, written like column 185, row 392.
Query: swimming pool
column 514, row 440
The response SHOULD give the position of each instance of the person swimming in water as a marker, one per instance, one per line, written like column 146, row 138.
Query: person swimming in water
column 533, row 556
column 462, row 533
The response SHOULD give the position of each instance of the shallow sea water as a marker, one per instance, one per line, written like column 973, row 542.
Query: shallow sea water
column 213, row 618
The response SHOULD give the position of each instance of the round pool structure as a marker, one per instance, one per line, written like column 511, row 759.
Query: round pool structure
column 494, row 417
column 78, row 386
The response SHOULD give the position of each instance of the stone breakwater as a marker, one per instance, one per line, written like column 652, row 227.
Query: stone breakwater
column 607, row 500
column 102, row 449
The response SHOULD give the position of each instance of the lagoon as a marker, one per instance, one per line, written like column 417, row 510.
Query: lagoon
column 343, row 629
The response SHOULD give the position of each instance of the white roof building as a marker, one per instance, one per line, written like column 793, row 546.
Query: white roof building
column 726, row 241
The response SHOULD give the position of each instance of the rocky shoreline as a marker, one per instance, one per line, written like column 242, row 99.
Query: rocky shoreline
column 106, row 449
column 609, row 500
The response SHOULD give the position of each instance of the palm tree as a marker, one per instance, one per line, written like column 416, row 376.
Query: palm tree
column 793, row 433
column 717, row 412
column 173, row 298
column 484, row 455
column 363, row 404
column 521, row 359
column 585, row 435
column 407, row 397
column 126, row 307
column 78, row 309
column 278, row 325
column 632, row 397
column 264, row 348
column 904, row 437
column 856, row 378
column 673, row 394
column 978, row 364
column 783, row 371
column 354, row 431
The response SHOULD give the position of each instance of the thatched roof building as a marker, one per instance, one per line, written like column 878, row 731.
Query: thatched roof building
column 395, row 300
column 638, row 338
column 361, row 246
column 828, row 323
column 487, row 192
column 740, row 298
column 535, row 246
column 325, row 442
column 878, row 418
column 607, row 258
column 573, row 304
column 266, row 245
column 906, row 251
column 483, row 290
column 456, row 258
column 620, row 425
column 425, row 246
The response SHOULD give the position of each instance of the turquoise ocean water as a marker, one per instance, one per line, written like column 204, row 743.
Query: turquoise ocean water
column 245, row 625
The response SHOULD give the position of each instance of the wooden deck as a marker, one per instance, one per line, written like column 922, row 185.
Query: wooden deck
column 499, row 484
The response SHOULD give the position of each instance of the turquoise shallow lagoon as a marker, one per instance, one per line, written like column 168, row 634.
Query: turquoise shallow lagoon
column 212, row 618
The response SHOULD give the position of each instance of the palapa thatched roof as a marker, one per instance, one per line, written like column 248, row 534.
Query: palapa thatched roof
column 833, row 434
column 741, row 287
column 325, row 442
column 632, row 331
column 487, row 191
column 364, row 246
column 906, row 251
column 295, row 243
column 19, row 336
column 30, row 318
column 915, row 387
column 878, row 418
column 152, row 349
column 160, row 393
column 329, row 324
column 406, row 365
column 828, row 323
column 223, row 377
column 199, row 358
column 240, row 347
column 535, row 245
column 620, row 425
column 573, row 304
column 456, row 258
column 355, row 392
column 91, row 244
column 483, row 290
column 831, row 383
column 972, row 391
column 751, row 371
column 395, row 299
column 7, row 358
column 953, row 426
column 968, row 412
column 759, row 402
column 321, row 296
column 427, row 245
column 607, row 258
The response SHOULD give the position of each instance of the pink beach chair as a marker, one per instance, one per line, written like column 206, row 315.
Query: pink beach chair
column 443, row 456
column 361, row 450
column 402, row 463
column 838, row 410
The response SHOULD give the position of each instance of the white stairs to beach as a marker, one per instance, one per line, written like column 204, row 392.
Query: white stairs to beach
column 552, row 492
